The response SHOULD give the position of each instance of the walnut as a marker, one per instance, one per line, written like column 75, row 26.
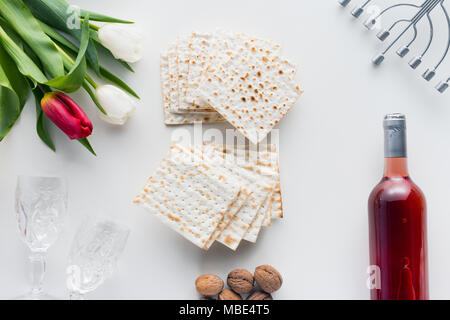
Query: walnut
column 268, row 278
column 260, row 295
column 228, row 294
column 209, row 285
column 240, row 281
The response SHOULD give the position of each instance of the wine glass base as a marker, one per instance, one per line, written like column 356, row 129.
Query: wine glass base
column 36, row 296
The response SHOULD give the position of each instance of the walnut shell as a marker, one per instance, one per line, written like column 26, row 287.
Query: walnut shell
column 228, row 294
column 268, row 278
column 209, row 285
column 260, row 295
column 240, row 281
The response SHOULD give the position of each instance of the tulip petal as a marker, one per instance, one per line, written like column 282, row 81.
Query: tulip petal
column 66, row 115
column 118, row 104
column 124, row 41
column 75, row 109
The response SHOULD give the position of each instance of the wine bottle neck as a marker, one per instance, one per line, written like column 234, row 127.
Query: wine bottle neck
column 395, row 145
column 396, row 167
column 395, row 142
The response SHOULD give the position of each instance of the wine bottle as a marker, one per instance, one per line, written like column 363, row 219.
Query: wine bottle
column 397, row 224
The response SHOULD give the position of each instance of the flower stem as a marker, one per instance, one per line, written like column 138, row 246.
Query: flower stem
column 65, row 55
column 92, row 26
column 91, row 81
column 42, row 88
column 70, row 60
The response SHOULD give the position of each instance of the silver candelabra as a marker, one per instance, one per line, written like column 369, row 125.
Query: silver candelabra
column 401, row 26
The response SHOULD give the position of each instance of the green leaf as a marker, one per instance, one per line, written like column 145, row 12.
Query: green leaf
column 94, row 98
column 26, row 49
column 94, row 35
column 53, row 34
column 102, row 18
column 18, row 82
column 64, row 42
column 24, row 63
column 116, row 80
column 41, row 120
column 13, row 93
column 87, row 145
column 58, row 14
column 72, row 49
column 11, row 33
column 23, row 22
column 105, row 74
column 126, row 65
column 74, row 79
column 9, row 109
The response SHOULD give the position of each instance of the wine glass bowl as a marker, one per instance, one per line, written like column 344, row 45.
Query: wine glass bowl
column 41, row 208
column 95, row 250
column 41, row 204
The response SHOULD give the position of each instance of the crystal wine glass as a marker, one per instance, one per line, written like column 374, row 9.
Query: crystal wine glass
column 96, row 248
column 41, row 207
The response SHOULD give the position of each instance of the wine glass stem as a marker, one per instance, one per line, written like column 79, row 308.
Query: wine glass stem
column 37, row 260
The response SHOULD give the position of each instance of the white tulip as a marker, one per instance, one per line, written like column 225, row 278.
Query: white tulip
column 118, row 104
column 124, row 41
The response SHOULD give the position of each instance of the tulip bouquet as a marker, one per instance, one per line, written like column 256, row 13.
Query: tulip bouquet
column 47, row 48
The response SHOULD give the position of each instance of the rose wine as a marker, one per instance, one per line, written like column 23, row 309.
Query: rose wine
column 397, row 224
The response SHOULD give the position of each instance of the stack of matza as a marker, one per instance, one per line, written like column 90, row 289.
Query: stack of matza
column 223, row 76
column 211, row 193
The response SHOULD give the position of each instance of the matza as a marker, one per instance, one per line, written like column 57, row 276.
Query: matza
column 252, row 93
column 246, row 89
column 189, row 197
column 260, row 190
column 170, row 97
column 240, row 77
column 183, row 66
column 202, row 47
column 209, row 192
column 265, row 166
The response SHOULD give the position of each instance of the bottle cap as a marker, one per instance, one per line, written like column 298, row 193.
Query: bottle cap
column 395, row 120
column 394, row 135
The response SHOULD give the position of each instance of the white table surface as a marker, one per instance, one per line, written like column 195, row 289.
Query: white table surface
column 330, row 149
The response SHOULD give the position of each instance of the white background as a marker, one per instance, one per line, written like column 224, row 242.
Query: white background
column 331, row 157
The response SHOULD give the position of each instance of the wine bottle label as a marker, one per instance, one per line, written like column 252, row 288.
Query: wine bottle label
column 395, row 136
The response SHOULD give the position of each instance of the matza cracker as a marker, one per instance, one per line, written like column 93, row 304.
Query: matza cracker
column 183, row 66
column 236, row 207
column 267, row 159
column 190, row 197
column 209, row 159
column 263, row 163
column 253, row 91
column 202, row 48
column 170, row 95
column 260, row 190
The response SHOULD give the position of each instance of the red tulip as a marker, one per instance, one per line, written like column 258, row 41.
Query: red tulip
column 67, row 115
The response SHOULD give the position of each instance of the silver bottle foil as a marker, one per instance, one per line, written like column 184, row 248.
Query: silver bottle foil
column 395, row 136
